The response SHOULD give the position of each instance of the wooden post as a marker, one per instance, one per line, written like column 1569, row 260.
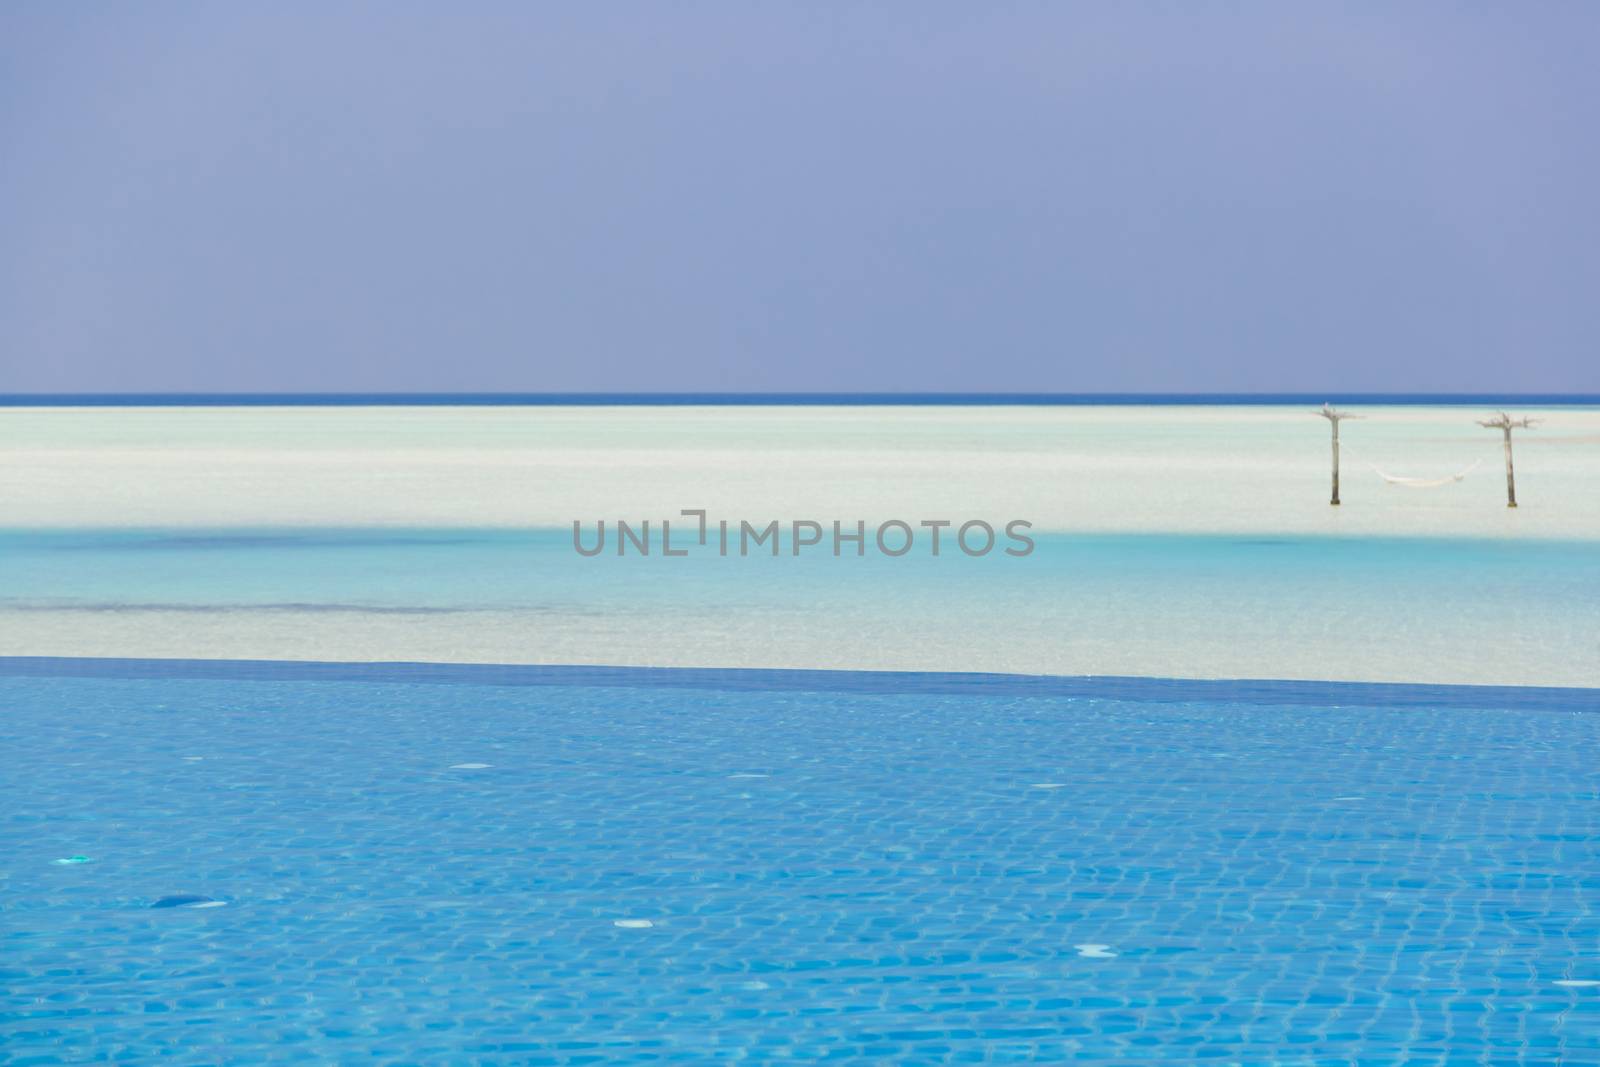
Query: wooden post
column 1511, row 474
column 1505, row 424
column 1335, row 500
column 1333, row 415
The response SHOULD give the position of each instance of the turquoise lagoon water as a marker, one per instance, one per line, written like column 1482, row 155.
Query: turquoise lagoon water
column 546, row 865
column 1402, row 609
column 463, row 569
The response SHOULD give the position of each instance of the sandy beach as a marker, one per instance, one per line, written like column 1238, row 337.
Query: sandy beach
column 1084, row 469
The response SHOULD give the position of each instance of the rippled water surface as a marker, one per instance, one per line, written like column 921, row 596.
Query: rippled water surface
column 431, row 873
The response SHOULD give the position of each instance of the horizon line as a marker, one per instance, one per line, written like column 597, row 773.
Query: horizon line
column 757, row 398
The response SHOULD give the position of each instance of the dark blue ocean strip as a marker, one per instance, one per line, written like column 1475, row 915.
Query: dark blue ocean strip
column 782, row 399
column 940, row 683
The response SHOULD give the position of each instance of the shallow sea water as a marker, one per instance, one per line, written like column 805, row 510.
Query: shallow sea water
column 1397, row 609
column 619, row 870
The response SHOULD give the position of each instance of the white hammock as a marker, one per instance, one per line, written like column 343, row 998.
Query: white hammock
column 1416, row 483
column 1423, row 483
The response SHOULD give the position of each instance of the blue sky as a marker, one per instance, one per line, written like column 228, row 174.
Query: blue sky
column 897, row 196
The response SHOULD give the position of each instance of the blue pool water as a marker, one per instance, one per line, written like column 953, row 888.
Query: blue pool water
column 616, row 867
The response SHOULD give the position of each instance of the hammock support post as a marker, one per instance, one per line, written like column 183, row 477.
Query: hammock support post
column 1333, row 415
column 1505, row 424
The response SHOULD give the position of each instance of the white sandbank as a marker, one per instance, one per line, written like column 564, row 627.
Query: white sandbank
column 1089, row 469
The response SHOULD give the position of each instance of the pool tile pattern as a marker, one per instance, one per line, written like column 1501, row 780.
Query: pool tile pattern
column 406, row 872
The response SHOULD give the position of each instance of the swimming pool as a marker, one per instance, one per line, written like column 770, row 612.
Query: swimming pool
column 537, row 865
